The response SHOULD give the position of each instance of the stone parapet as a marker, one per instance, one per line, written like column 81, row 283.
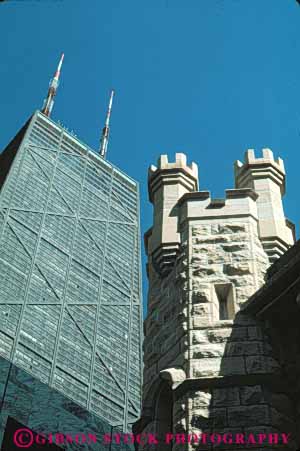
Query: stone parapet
column 200, row 205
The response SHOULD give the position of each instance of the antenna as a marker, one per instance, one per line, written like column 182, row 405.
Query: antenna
column 53, row 85
column 105, row 131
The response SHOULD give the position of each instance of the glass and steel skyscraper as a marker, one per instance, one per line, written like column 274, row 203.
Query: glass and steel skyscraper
column 70, row 290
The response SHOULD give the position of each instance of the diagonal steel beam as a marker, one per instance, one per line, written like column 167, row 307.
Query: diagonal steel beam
column 36, row 264
column 96, row 352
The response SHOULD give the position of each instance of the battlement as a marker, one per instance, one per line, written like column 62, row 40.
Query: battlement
column 174, row 192
column 265, row 167
column 214, row 202
column 267, row 157
column 166, row 174
column 180, row 163
column 237, row 202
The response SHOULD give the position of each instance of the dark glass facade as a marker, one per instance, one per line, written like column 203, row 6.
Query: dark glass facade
column 27, row 403
column 70, row 290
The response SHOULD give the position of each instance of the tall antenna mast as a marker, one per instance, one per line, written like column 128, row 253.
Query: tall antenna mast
column 105, row 131
column 54, row 83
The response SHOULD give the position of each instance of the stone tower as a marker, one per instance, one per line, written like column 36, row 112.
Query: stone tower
column 206, row 364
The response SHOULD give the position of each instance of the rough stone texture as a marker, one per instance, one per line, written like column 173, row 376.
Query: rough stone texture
column 252, row 395
column 226, row 355
column 226, row 397
column 249, row 416
column 236, row 257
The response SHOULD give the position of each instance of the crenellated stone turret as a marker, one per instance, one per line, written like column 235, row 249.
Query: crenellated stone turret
column 205, row 362
column 167, row 183
column 267, row 177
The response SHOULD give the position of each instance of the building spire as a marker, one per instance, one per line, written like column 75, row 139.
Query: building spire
column 54, row 83
column 105, row 131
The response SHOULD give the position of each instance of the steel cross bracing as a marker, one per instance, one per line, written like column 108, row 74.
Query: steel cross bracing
column 97, row 325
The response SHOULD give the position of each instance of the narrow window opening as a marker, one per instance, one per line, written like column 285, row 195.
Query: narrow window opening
column 224, row 301
column 223, row 307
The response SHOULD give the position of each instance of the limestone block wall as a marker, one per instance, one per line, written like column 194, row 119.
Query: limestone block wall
column 235, row 353
column 233, row 384
column 247, row 409
column 165, row 328
column 236, row 387
column 207, row 366
column 222, row 253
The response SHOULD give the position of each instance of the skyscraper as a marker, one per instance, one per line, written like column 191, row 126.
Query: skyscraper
column 70, row 292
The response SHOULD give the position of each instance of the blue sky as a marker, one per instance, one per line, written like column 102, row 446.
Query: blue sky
column 210, row 78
